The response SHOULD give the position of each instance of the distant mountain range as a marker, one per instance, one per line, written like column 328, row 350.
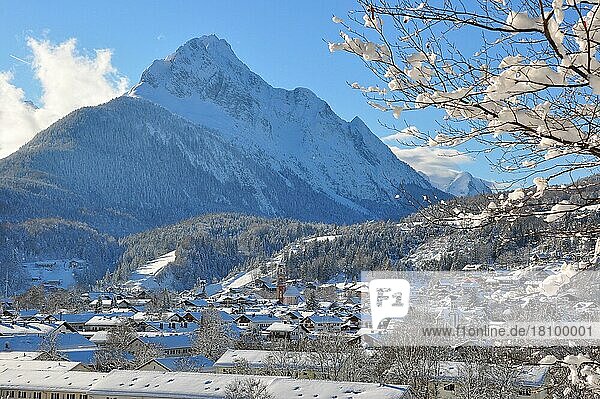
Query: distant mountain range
column 202, row 133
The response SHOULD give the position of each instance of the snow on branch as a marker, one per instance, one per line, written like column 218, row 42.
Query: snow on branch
column 518, row 81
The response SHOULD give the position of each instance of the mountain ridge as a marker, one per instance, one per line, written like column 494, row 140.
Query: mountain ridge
column 138, row 162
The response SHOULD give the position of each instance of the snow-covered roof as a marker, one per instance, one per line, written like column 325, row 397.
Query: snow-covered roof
column 26, row 328
column 57, row 381
column 288, row 388
column 83, row 356
column 30, row 342
column 325, row 319
column 153, row 384
column 168, row 341
column 180, row 385
column 532, row 376
column 259, row 358
column 20, row 356
column 292, row 292
column 74, row 317
column 99, row 337
column 527, row 376
column 105, row 321
column 38, row 365
column 282, row 327
column 199, row 303
column 172, row 363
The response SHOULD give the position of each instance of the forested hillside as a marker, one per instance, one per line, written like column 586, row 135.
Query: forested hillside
column 209, row 247
column 46, row 239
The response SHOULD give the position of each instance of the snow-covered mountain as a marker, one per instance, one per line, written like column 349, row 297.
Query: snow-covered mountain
column 202, row 133
column 459, row 184
column 292, row 130
column 465, row 184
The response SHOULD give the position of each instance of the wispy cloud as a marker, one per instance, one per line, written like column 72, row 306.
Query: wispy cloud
column 439, row 164
column 400, row 136
column 69, row 80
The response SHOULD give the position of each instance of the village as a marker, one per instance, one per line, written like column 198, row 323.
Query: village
column 276, row 334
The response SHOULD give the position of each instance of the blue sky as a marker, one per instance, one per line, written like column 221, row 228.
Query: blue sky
column 283, row 41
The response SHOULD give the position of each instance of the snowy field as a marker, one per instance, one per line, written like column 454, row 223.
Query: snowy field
column 55, row 272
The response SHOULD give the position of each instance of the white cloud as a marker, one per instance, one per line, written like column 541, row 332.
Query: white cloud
column 439, row 164
column 401, row 136
column 69, row 80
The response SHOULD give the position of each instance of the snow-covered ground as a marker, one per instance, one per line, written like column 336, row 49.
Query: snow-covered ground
column 146, row 276
column 242, row 279
column 322, row 238
column 56, row 272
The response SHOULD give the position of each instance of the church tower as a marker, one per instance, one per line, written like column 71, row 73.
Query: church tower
column 280, row 282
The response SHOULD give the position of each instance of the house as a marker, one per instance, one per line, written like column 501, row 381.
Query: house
column 321, row 323
column 33, row 343
column 33, row 328
column 295, row 364
column 173, row 317
column 103, row 323
column 193, row 304
column 291, row 296
column 192, row 317
column 21, row 356
column 258, row 321
column 367, row 338
column 357, row 321
column 128, row 384
column 7, row 303
column 529, row 382
column 180, row 363
column 170, row 327
column 30, row 315
column 127, row 305
column 9, row 314
column 283, row 331
column 175, row 345
column 266, row 283
column 75, row 320
column 41, row 365
column 292, row 316
column 48, row 384
column 102, row 304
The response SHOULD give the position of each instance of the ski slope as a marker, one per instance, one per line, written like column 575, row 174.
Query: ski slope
column 145, row 277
